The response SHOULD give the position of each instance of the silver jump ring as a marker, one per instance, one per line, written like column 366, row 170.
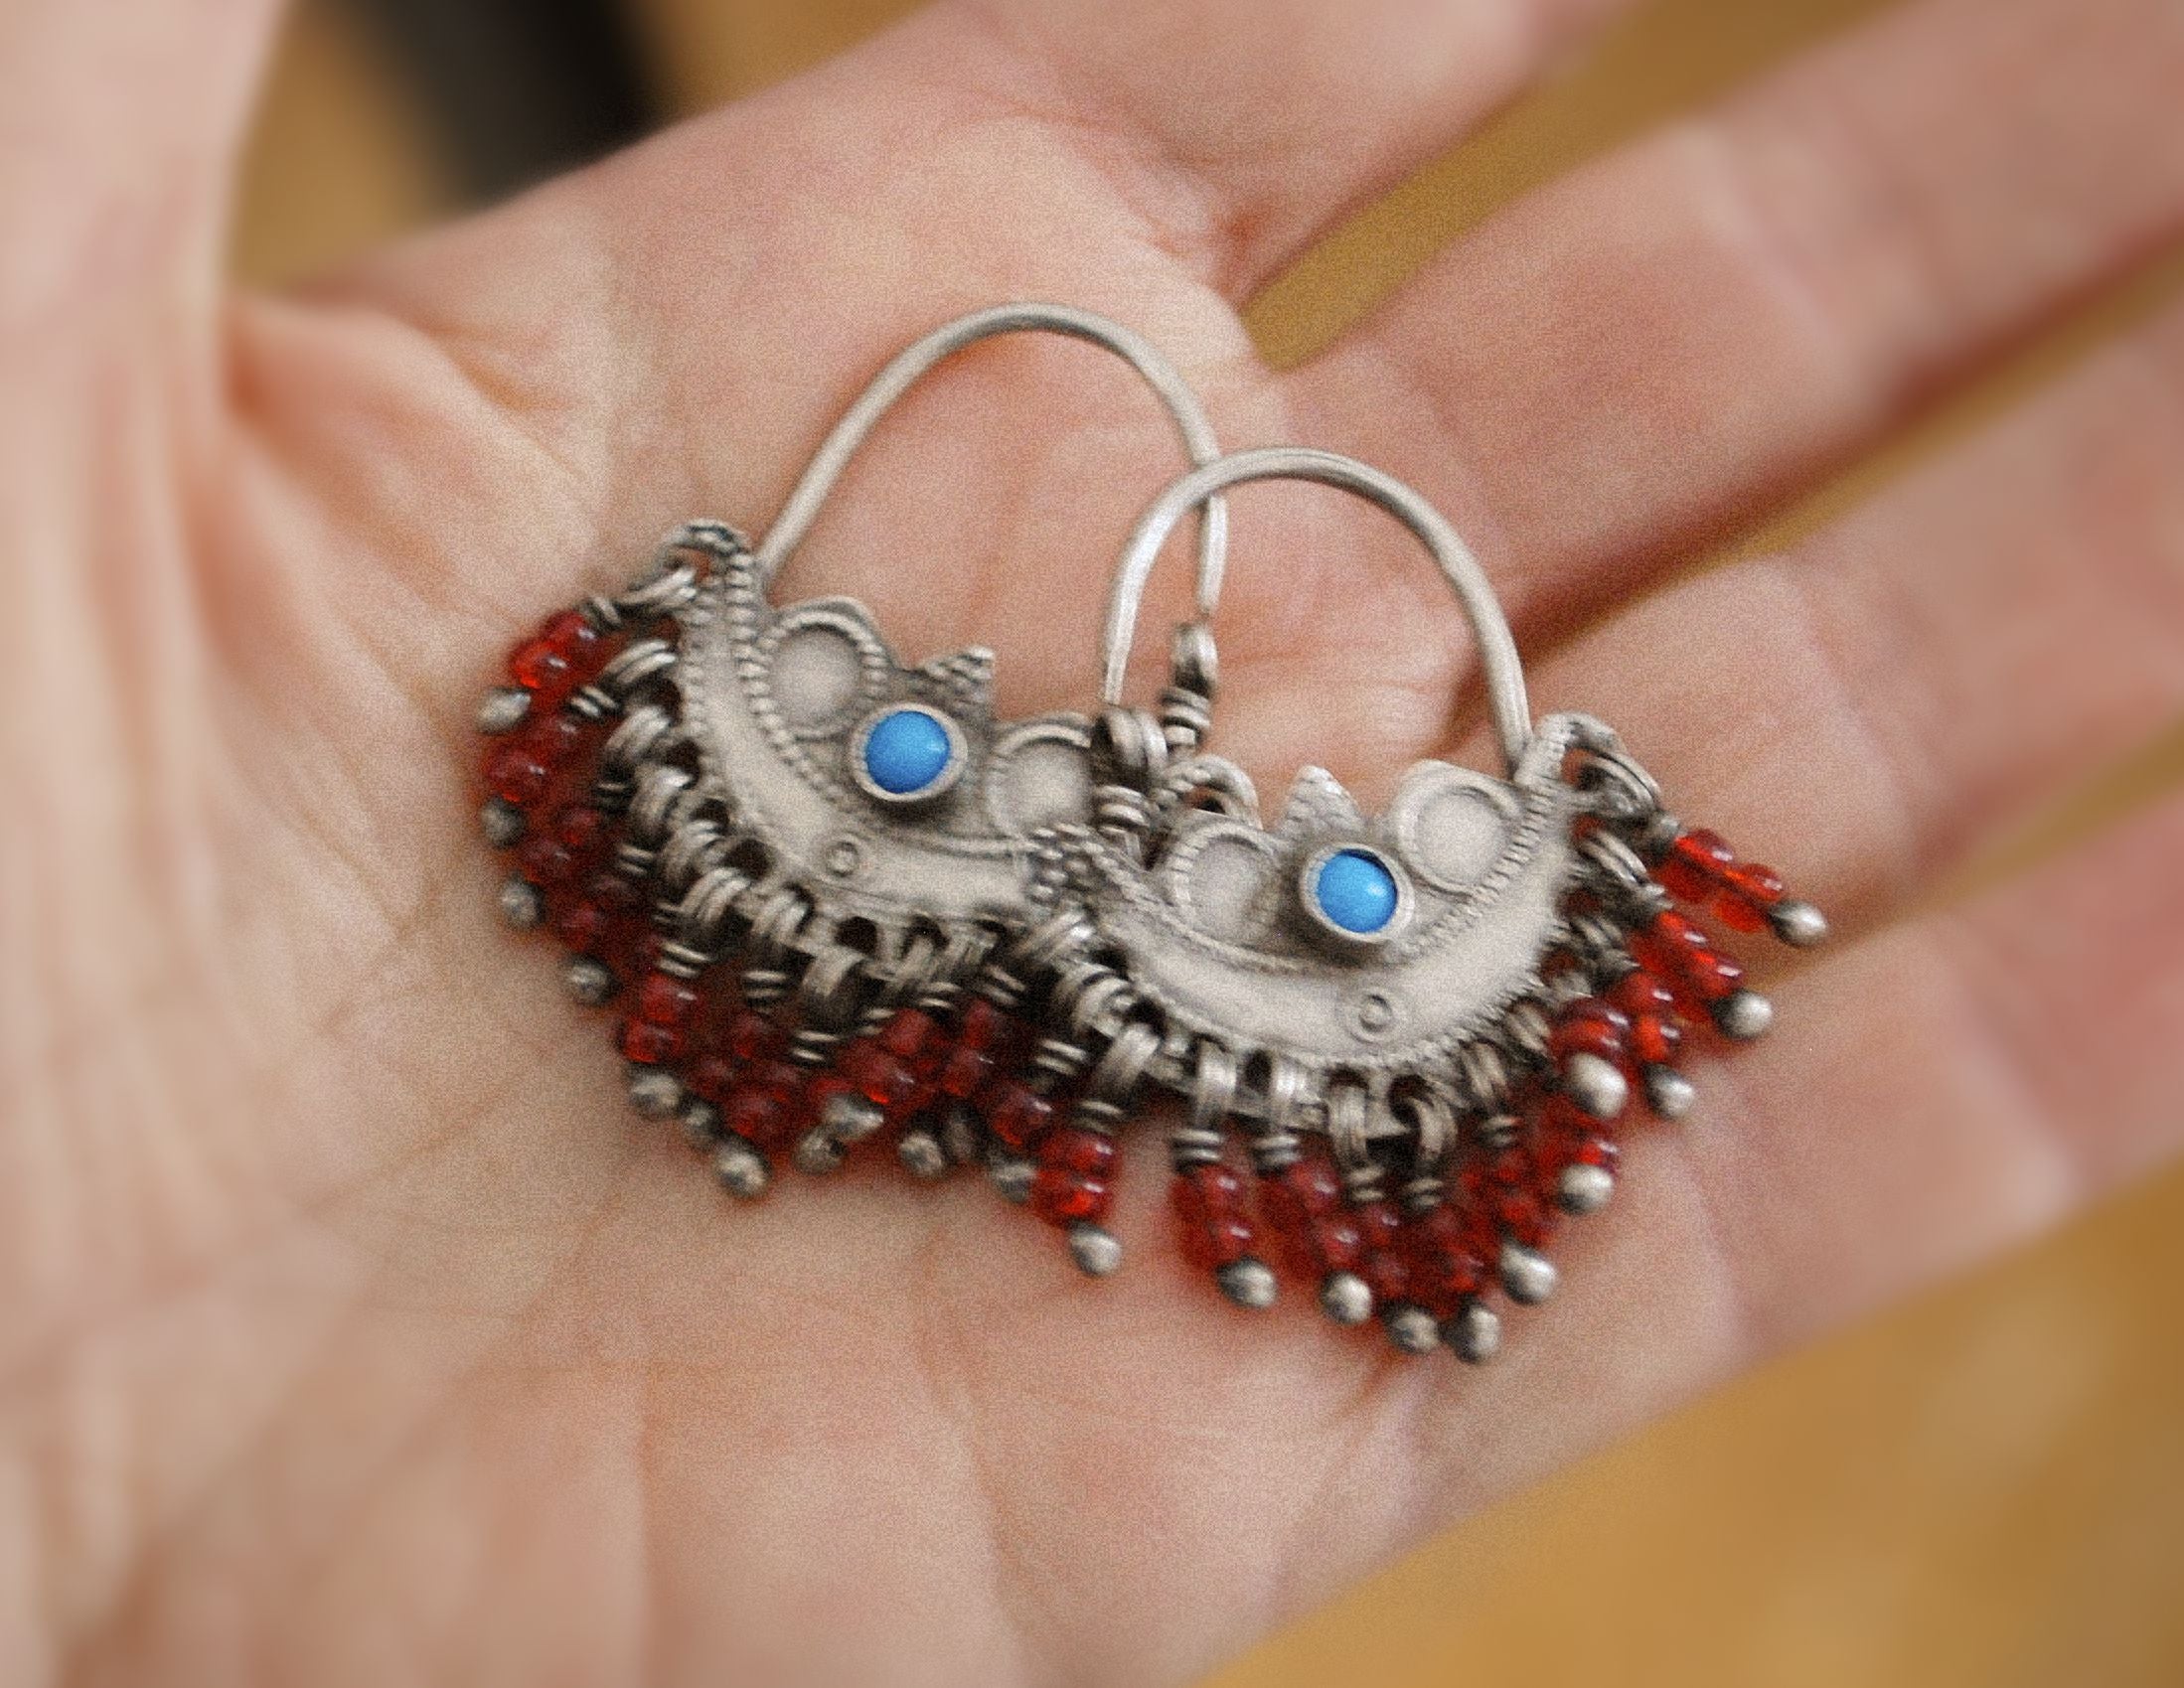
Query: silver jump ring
column 1506, row 695
column 914, row 361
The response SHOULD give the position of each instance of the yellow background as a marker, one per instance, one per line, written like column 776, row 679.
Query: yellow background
column 1987, row 1487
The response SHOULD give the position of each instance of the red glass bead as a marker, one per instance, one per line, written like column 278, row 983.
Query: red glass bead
column 541, row 671
column 1378, row 1224
column 1756, row 883
column 983, row 1025
column 1526, row 1216
column 1683, row 957
column 1737, row 914
column 1293, row 1252
column 1562, row 1126
column 1062, row 1197
column 754, row 1115
column 766, row 1105
column 1638, row 993
column 1076, row 1149
column 909, row 1034
column 617, row 893
column 1447, row 1252
column 965, row 1072
column 1382, row 1264
column 559, row 658
column 1656, row 1038
column 713, row 1076
column 645, row 954
column 1712, row 976
column 516, row 776
column 1505, row 1172
column 554, row 739
column 1387, row 1274
column 1594, row 1010
column 882, row 1079
column 579, row 828
column 1208, row 1199
column 582, row 926
column 753, row 1038
column 664, row 1000
column 1014, row 1111
column 1748, row 893
column 1219, row 1188
column 1291, row 1198
column 1278, row 1207
column 1214, row 1243
column 1590, row 1028
column 1695, row 865
column 544, row 861
column 1317, row 1186
column 1337, row 1242
column 648, row 1045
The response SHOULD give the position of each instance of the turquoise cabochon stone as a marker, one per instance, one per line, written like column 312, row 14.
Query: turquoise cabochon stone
column 1357, row 891
column 907, row 751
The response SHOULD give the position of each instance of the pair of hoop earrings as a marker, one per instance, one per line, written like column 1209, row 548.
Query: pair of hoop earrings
column 841, row 906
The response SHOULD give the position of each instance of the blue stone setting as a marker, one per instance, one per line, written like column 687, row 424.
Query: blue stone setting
column 907, row 751
column 1356, row 892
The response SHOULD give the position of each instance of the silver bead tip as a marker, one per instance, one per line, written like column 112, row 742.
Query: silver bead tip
column 1013, row 1176
column 1345, row 1298
column 1248, row 1283
column 921, row 1155
column 701, row 1124
column 503, row 709
column 850, row 1119
column 742, row 1170
column 1743, row 1015
column 522, row 908
column 1528, row 1275
column 1597, row 1086
column 1583, row 1188
column 1799, row 923
column 1098, row 1252
column 589, row 981
column 1668, row 1093
column 654, row 1093
column 818, row 1153
column 1474, row 1334
column 502, row 822
column 1412, row 1329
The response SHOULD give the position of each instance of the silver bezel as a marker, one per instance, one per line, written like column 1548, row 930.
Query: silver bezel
column 1325, row 928
column 959, row 756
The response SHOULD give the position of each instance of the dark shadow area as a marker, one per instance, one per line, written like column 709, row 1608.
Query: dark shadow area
column 519, row 89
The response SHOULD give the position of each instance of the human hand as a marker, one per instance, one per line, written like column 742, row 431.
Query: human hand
column 353, row 1332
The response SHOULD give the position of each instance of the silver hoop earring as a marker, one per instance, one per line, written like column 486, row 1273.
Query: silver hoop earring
column 1425, row 1028
column 781, row 852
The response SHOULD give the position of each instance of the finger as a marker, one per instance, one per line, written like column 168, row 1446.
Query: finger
column 738, row 278
column 1888, row 700
column 1954, row 1086
column 1242, row 128
column 1653, row 349
column 1929, row 1097
column 517, row 407
column 120, row 134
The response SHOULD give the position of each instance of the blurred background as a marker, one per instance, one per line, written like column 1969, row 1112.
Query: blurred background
column 1989, row 1487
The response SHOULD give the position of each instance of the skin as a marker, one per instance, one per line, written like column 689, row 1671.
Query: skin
column 350, row 1330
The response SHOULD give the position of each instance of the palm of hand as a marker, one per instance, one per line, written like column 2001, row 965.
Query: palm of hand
column 353, row 1333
